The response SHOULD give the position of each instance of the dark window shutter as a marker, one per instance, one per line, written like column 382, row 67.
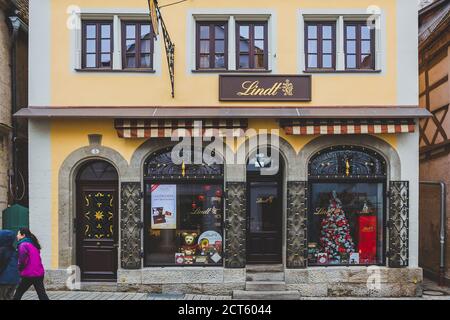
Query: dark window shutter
column 297, row 254
column 131, row 225
column 398, row 224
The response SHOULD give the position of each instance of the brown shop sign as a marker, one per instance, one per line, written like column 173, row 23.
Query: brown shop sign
column 265, row 88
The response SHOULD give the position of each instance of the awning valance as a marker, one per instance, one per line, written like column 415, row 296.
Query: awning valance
column 142, row 128
column 316, row 127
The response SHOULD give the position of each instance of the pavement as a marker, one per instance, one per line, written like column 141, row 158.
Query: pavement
column 431, row 292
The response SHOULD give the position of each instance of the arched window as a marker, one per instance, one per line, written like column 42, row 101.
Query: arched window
column 183, row 211
column 97, row 170
column 346, row 207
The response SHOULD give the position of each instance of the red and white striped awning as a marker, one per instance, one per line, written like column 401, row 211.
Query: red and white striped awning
column 318, row 127
column 166, row 128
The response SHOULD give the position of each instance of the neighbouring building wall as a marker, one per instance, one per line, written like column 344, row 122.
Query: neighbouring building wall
column 433, row 170
column 5, row 110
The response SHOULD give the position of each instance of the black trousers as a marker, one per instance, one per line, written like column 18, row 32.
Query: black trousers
column 26, row 283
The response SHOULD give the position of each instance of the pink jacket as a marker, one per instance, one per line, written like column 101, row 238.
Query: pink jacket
column 30, row 263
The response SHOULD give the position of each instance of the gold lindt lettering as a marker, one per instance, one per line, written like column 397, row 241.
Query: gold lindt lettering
column 252, row 88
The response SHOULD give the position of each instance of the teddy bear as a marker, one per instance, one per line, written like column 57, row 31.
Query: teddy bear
column 189, row 246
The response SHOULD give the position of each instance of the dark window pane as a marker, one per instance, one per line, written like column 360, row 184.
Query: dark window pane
column 366, row 46
column 365, row 32
column 219, row 61
column 259, row 46
column 244, row 46
column 90, row 46
column 106, row 46
column 351, row 46
column 327, row 32
column 327, row 46
column 131, row 46
column 91, row 60
column 259, row 32
column 106, row 31
column 204, row 61
column 312, row 61
column 204, row 32
column 131, row 31
column 259, row 61
column 366, row 61
column 351, row 32
column 131, row 61
column 312, row 46
column 145, row 31
column 204, row 46
column 106, row 60
column 244, row 62
column 220, row 46
column 145, row 61
column 146, row 46
column 327, row 61
column 220, row 32
column 244, row 32
column 91, row 31
column 312, row 32
column 351, row 61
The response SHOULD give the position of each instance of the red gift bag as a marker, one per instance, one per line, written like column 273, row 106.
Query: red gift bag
column 367, row 236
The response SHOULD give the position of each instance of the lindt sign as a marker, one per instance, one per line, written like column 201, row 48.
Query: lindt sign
column 265, row 88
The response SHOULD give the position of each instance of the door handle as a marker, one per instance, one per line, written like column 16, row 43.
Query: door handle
column 98, row 244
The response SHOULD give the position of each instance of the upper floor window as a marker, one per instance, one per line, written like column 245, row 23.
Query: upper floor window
column 359, row 46
column 320, row 45
column 252, row 45
column 212, row 45
column 137, row 45
column 97, row 44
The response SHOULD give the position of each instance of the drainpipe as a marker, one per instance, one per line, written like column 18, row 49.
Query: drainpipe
column 15, row 27
column 442, row 227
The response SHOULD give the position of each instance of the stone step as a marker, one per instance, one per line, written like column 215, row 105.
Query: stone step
column 265, row 295
column 265, row 286
column 265, row 276
column 265, row 268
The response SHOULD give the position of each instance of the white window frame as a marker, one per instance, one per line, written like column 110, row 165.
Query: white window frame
column 116, row 17
column 340, row 17
column 231, row 16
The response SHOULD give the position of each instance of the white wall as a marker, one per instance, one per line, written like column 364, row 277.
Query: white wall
column 40, row 185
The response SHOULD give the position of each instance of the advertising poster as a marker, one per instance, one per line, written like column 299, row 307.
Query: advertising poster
column 164, row 206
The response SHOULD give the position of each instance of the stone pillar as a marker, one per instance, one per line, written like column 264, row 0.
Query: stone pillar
column 235, row 225
column 296, row 254
column 131, row 225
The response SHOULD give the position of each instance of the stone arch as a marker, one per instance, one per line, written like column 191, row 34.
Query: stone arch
column 388, row 152
column 67, row 193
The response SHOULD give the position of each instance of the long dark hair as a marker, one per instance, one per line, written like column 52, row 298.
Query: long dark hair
column 27, row 233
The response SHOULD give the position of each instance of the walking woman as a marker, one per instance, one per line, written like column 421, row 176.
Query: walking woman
column 9, row 274
column 30, row 265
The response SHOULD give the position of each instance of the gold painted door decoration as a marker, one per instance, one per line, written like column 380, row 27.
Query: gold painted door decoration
column 98, row 216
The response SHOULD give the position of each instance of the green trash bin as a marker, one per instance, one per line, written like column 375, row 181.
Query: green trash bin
column 15, row 217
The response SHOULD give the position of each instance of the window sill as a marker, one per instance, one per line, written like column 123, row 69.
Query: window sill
column 117, row 71
column 230, row 71
column 342, row 71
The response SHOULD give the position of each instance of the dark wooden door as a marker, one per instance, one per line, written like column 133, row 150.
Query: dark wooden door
column 264, row 222
column 97, row 231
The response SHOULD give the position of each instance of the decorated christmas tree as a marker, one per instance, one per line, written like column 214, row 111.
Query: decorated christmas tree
column 335, row 238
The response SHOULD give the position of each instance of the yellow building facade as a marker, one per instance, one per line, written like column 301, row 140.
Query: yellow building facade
column 323, row 91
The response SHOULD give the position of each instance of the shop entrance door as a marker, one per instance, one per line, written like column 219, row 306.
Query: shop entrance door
column 264, row 221
column 97, row 223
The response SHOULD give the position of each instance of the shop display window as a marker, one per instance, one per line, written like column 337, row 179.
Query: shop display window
column 184, row 224
column 345, row 224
